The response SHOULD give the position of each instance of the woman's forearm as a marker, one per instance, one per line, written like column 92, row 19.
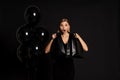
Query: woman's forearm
column 84, row 45
column 48, row 47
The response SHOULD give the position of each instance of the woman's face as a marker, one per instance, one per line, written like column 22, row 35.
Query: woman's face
column 64, row 27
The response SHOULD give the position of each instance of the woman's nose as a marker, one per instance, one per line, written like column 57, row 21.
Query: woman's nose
column 63, row 27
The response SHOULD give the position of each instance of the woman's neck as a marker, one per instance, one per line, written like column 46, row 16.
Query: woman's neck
column 65, row 34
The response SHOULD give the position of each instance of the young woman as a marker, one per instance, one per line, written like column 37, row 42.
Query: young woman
column 59, row 47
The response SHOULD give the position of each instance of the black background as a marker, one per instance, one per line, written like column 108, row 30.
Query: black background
column 96, row 21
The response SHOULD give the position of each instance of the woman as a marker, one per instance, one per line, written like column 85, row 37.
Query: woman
column 59, row 46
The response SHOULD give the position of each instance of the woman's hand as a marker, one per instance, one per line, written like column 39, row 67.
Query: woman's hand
column 54, row 36
column 48, row 47
column 84, row 45
column 77, row 35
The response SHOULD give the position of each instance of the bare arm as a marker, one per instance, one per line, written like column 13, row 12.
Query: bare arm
column 84, row 45
column 48, row 47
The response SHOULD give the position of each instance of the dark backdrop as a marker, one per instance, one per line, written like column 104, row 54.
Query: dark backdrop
column 96, row 21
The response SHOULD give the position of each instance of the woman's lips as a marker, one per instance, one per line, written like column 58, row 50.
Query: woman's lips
column 63, row 30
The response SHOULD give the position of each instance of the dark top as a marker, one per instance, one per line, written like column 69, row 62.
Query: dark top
column 71, row 49
column 63, row 67
column 65, row 46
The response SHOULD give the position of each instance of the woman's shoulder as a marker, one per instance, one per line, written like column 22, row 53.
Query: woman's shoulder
column 58, row 34
column 72, row 34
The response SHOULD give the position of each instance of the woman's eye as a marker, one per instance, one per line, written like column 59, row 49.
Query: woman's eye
column 61, row 25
